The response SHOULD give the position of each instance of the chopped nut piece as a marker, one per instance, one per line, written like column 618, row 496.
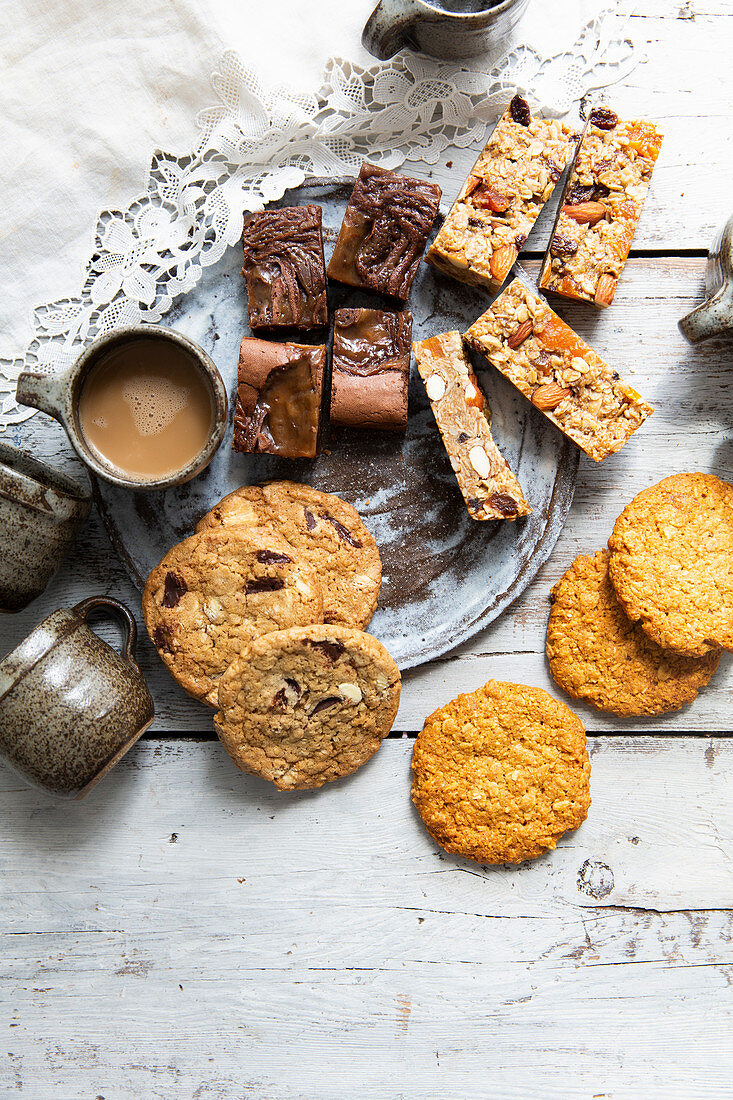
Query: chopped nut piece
column 514, row 176
column 489, row 487
column 577, row 391
column 600, row 210
column 435, row 386
column 520, row 335
column 605, row 290
column 502, row 262
column 585, row 213
column 549, row 396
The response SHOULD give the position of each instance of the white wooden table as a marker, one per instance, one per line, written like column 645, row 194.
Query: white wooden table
column 187, row 931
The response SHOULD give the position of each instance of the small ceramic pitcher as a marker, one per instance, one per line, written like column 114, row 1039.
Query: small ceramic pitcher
column 715, row 316
column 41, row 513
column 58, row 395
column 70, row 705
column 448, row 29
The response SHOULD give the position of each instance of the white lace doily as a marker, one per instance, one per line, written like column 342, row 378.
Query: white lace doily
column 257, row 142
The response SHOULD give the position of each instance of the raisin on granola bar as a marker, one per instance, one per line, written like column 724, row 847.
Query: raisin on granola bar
column 384, row 231
column 600, row 208
column 555, row 370
column 508, row 185
column 489, row 487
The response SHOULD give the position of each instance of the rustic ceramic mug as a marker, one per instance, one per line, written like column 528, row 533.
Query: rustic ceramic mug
column 41, row 513
column 70, row 705
column 443, row 28
column 58, row 395
column 715, row 316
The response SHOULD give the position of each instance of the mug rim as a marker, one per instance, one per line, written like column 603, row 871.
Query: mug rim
column 28, row 473
column 497, row 9
column 208, row 369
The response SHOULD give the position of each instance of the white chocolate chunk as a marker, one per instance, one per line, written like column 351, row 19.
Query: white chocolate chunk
column 479, row 459
column 351, row 691
column 435, row 387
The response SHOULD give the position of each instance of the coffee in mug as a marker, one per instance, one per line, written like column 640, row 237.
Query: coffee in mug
column 146, row 409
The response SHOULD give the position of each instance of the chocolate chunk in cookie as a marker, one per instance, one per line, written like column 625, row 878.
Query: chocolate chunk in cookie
column 214, row 593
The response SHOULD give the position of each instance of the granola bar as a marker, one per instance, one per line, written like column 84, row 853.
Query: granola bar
column 384, row 231
column 501, row 199
column 555, row 370
column 489, row 487
column 600, row 208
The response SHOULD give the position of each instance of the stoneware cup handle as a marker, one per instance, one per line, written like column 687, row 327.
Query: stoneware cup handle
column 712, row 318
column 121, row 612
column 48, row 392
column 387, row 28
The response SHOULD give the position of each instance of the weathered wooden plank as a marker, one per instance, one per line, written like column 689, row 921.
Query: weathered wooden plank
column 691, row 390
column 188, row 928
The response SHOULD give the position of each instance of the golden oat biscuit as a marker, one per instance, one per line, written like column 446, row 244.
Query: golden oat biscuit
column 216, row 592
column 500, row 774
column 672, row 563
column 305, row 706
column 325, row 531
column 597, row 654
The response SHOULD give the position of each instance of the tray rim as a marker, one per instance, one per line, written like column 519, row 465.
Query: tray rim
column 561, row 498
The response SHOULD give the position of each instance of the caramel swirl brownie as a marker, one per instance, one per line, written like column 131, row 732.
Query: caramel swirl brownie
column 284, row 268
column 489, row 487
column 384, row 231
column 500, row 201
column 601, row 208
column 370, row 369
column 279, row 396
column 557, row 371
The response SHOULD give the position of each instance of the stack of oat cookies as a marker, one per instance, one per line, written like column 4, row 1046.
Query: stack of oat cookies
column 260, row 614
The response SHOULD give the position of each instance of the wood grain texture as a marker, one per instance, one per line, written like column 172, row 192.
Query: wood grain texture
column 691, row 390
column 189, row 931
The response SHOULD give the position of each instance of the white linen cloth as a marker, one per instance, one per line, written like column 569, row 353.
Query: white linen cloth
column 89, row 90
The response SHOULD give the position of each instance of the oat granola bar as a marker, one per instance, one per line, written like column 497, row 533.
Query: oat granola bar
column 490, row 489
column 600, row 208
column 555, row 370
column 502, row 197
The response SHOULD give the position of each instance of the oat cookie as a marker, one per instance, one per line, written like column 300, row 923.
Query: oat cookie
column 597, row 654
column 216, row 592
column 500, row 774
column 672, row 563
column 325, row 532
column 305, row 706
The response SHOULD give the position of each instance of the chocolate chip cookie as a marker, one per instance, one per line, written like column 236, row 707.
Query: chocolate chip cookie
column 324, row 531
column 672, row 563
column 500, row 774
column 597, row 654
column 304, row 706
column 216, row 592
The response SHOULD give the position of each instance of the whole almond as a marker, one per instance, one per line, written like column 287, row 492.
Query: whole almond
column 549, row 397
column 585, row 213
column 605, row 290
column 520, row 335
column 501, row 262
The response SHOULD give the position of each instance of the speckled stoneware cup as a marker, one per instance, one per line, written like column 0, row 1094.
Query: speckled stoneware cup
column 715, row 316
column 70, row 705
column 58, row 395
column 430, row 28
column 41, row 513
